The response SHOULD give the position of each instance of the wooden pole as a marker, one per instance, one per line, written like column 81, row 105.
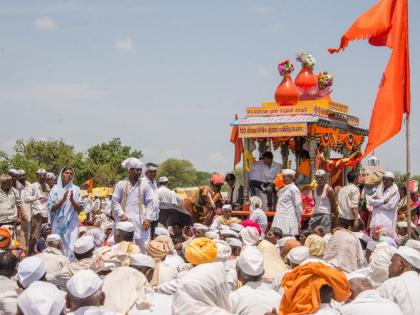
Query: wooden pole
column 244, row 170
column 408, row 168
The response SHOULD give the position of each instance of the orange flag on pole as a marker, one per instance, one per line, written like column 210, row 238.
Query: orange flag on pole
column 386, row 24
column 89, row 184
column 234, row 138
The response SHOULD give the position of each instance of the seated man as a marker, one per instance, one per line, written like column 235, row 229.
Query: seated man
column 224, row 219
column 235, row 196
column 303, row 172
column 52, row 257
column 124, row 236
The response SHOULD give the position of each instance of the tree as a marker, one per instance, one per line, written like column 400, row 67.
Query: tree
column 181, row 173
column 105, row 159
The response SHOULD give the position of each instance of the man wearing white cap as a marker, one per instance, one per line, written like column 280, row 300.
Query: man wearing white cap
column 127, row 200
column 384, row 202
column 51, row 179
column 289, row 205
column 254, row 297
column 10, row 202
column 224, row 219
column 41, row 298
column 325, row 203
column 52, row 257
column 123, row 237
column 84, row 294
column 36, row 195
column 29, row 270
column 297, row 255
column 404, row 283
column 143, row 263
column 165, row 195
column 151, row 200
column 200, row 230
column 83, row 251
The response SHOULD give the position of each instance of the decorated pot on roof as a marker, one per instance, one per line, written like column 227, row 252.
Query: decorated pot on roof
column 306, row 81
column 287, row 92
column 325, row 82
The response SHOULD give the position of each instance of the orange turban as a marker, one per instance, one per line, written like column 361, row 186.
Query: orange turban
column 201, row 250
column 288, row 246
column 4, row 237
column 302, row 285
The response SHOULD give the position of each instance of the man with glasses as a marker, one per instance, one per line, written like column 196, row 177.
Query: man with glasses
column 37, row 196
column 384, row 206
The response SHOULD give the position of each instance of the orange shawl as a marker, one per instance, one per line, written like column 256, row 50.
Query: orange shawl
column 302, row 285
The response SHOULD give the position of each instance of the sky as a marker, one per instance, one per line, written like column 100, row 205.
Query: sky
column 167, row 77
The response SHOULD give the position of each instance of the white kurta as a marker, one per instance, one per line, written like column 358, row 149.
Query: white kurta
column 150, row 199
column 370, row 302
column 133, row 210
column 403, row 290
column 166, row 195
column 254, row 298
column 53, row 260
column 288, row 210
column 384, row 211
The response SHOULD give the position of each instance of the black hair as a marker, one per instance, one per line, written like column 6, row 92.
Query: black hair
column 277, row 232
column 126, row 236
column 304, row 154
column 8, row 263
column 326, row 293
column 267, row 155
column 230, row 176
column 352, row 176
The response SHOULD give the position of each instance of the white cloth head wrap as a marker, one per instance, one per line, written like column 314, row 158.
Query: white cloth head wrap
column 249, row 236
column 255, row 203
column 298, row 254
column 228, row 232
column 379, row 263
column 212, row 235
column 132, row 163
column 320, row 173
column 371, row 245
column 199, row 226
column 236, row 227
column 389, row 175
column 227, row 208
column 50, row 175
column 161, row 231
column 141, row 260
column 163, row 179
column 29, row 270
column 13, row 171
column 409, row 254
column 388, row 240
column 53, row 238
column 281, row 242
column 223, row 251
column 251, row 261
column 413, row 244
column 126, row 226
column 84, row 284
column 41, row 171
column 41, row 298
column 21, row 172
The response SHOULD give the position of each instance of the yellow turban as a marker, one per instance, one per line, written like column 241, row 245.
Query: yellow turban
column 201, row 250
column 82, row 217
column 156, row 249
column 316, row 245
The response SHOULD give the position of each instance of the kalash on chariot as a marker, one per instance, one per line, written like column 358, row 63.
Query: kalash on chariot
column 305, row 125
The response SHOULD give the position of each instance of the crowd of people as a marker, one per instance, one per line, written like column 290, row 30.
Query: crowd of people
column 341, row 261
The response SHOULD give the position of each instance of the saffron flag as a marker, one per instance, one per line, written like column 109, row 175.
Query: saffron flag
column 386, row 24
column 89, row 184
column 234, row 138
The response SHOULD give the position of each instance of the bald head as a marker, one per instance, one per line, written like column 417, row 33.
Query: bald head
column 359, row 285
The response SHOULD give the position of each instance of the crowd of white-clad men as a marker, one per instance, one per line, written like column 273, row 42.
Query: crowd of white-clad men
column 131, row 264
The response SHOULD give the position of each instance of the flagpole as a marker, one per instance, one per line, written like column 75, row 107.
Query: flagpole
column 408, row 167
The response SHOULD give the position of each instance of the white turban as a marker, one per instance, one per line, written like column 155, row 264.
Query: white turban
column 223, row 251
column 388, row 240
column 236, row 227
column 212, row 235
column 163, row 179
column 320, row 173
column 199, row 226
column 249, row 236
column 410, row 255
column 379, row 263
column 132, row 163
column 21, row 172
column 227, row 208
column 413, row 244
column 53, row 238
column 41, row 298
column 41, row 171
column 228, row 232
column 298, row 254
column 234, row 242
column 251, row 261
column 13, row 171
column 389, row 175
column 142, row 260
column 84, row 284
column 50, row 175
column 161, row 231
column 84, row 244
column 126, row 226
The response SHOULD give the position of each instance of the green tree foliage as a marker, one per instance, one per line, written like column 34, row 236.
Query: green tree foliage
column 181, row 173
column 105, row 159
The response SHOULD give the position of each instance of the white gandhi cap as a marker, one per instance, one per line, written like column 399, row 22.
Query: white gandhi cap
column 251, row 262
column 29, row 270
column 125, row 226
column 84, row 284
column 141, row 260
column 84, row 244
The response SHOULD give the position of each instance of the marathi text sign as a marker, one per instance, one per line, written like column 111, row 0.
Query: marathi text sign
column 276, row 130
column 279, row 110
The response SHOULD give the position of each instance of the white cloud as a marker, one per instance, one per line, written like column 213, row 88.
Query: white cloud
column 125, row 43
column 45, row 24
column 262, row 9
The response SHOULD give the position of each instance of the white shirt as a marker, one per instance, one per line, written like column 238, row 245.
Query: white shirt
column 8, row 205
column 370, row 302
column 322, row 202
column 254, row 298
column 270, row 173
column 385, row 214
column 288, row 210
column 53, row 260
column 92, row 310
column 37, row 198
column 150, row 198
column 403, row 290
column 168, row 196
column 257, row 171
column 106, row 206
column 348, row 199
column 326, row 309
